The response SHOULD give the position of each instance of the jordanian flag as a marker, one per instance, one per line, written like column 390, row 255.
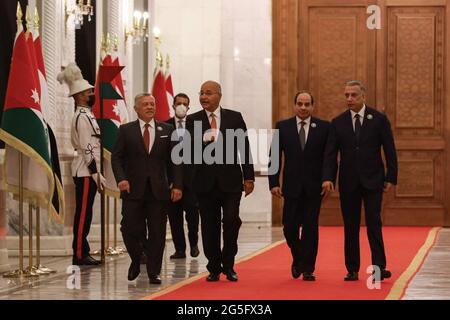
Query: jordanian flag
column 111, row 122
column 25, row 131
column 118, row 85
column 58, row 196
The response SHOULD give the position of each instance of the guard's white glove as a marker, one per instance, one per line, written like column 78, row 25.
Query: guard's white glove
column 99, row 180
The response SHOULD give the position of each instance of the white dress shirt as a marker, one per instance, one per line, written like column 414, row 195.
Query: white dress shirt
column 217, row 116
column 361, row 116
column 306, row 126
column 151, row 129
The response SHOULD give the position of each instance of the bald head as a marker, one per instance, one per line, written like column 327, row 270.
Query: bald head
column 210, row 95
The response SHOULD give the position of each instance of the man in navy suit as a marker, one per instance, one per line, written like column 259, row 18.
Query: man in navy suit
column 302, row 140
column 147, row 179
column 358, row 135
column 188, row 203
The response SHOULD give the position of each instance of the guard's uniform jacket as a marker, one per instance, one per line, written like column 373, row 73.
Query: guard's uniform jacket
column 85, row 136
column 86, row 141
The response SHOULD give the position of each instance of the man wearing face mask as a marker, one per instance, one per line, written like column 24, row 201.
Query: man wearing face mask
column 189, row 202
column 85, row 136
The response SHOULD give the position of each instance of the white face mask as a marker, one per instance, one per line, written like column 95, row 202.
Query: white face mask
column 181, row 111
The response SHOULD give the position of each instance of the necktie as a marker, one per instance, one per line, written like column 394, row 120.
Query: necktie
column 213, row 121
column 213, row 126
column 302, row 135
column 180, row 130
column 147, row 138
column 357, row 126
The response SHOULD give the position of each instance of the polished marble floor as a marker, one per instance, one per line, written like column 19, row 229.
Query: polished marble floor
column 109, row 282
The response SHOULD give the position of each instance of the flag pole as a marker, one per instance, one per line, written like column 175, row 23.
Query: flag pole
column 102, row 204
column 20, row 273
column 30, row 272
column 40, row 269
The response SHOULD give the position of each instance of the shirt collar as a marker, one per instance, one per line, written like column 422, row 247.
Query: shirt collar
column 306, row 121
column 142, row 123
column 216, row 113
column 361, row 112
column 178, row 119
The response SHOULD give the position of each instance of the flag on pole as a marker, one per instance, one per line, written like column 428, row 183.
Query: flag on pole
column 159, row 91
column 24, row 130
column 118, row 86
column 169, row 85
column 110, row 123
column 45, row 106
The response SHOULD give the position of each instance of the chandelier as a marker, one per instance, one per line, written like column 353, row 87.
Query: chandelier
column 79, row 10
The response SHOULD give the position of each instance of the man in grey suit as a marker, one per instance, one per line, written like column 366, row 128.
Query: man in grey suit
column 147, row 179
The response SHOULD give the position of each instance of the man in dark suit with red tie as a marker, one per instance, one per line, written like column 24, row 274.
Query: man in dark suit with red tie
column 302, row 141
column 147, row 179
column 188, row 203
column 223, row 169
column 358, row 135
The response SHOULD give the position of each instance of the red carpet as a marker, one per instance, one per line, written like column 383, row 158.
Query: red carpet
column 267, row 276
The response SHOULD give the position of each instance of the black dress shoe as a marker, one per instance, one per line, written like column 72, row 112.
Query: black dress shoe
column 195, row 252
column 178, row 255
column 86, row 261
column 133, row 271
column 155, row 279
column 351, row 276
column 385, row 274
column 296, row 273
column 231, row 275
column 213, row 277
column 309, row 276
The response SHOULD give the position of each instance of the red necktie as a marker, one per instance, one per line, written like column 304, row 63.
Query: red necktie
column 147, row 138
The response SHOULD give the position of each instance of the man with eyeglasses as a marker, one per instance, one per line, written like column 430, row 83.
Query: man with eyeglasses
column 219, row 184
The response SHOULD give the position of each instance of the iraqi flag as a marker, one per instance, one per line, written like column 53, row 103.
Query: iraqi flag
column 159, row 91
column 24, row 130
column 170, row 91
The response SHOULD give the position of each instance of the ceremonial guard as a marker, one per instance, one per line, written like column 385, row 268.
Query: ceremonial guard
column 85, row 137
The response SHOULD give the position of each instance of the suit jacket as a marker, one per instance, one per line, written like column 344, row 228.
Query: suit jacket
column 361, row 163
column 302, row 168
column 130, row 161
column 229, row 175
column 188, row 170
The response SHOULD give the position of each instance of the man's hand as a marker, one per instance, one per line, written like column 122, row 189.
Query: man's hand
column 124, row 186
column 176, row 195
column 100, row 181
column 276, row 191
column 249, row 186
column 327, row 189
column 387, row 187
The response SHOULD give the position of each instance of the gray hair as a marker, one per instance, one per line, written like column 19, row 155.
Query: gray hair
column 357, row 83
column 141, row 95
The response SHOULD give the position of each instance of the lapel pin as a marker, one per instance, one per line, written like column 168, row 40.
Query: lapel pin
column 160, row 129
column 313, row 125
column 370, row 117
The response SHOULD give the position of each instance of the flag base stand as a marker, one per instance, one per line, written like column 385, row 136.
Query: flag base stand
column 13, row 274
column 30, row 273
column 40, row 269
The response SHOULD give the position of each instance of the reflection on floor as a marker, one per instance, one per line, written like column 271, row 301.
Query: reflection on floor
column 109, row 282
